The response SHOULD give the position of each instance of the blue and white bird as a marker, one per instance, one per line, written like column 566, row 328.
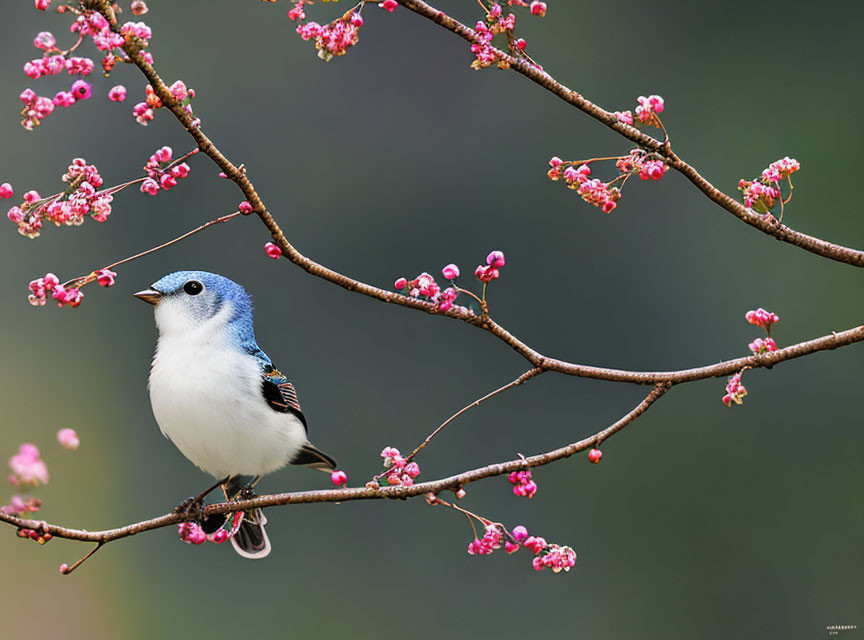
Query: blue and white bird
column 217, row 396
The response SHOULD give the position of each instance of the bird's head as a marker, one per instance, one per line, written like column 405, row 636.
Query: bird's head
column 188, row 300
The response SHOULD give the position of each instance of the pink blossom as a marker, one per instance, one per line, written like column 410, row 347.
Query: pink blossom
column 297, row 12
column 245, row 207
column 166, row 181
column 6, row 191
column 478, row 548
column 520, row 533
column 762, row 318
column 595, row 455
column 356, row 20
column 139, row 7
column 535, row 544
column 81, row 89
column 520, row 44
column 105, row 277
column 538, row 8
column 64, row 99
column 42, row 5
column 763, row 346
column 522, row 483
column 77, row 66
column 450, row 272
column 273, row 250
column 191, row 533
column 461, row 493
column 735, row 391
column 495, row 259
column 412, row 469
column 624, row 116
column 20, row 507
column 68, row 439
column 44, row 40
column 389, row 5
column 339, row 478
column 648, row 108
column 27, row 467
column 150, row 187
column 117, row 93
column 485, row 273
column 180, row 92
column 510, row 547
column 400, row 284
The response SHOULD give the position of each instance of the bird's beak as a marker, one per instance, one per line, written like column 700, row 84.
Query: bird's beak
column 149, row 295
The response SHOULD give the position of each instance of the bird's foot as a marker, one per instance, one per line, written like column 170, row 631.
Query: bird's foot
column 191, row 506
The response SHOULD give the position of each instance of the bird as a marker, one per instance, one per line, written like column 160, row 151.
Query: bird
column 218, row 397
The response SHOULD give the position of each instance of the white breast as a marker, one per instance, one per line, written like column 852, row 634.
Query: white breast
column 206, row 396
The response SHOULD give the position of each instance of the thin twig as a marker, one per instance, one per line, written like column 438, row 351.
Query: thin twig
column 82, row 280
column 531, row 373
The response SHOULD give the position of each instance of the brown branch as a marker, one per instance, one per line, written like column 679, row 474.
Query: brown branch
column 452, row 483
column 482, row 321
column 764, row 223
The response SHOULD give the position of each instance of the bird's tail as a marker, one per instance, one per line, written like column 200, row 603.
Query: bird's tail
column 250, row 540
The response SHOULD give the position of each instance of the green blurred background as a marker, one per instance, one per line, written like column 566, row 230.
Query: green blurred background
column 701, row 521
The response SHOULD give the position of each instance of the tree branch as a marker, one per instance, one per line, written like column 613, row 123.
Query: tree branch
column 767, row 224
column 452, row 483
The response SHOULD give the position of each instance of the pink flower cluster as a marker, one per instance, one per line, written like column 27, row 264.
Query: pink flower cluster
column 36, row 108
column 735, row 391
column 68, row 439
column 400, row 472
column 70, row 207
column 761, row 194
column 649, row 108
column 192, row 533
column 20, row 507
column 762, row 318
column 40, row 288
column 490, row 271
column 522, row 483
column 493, row 539
column 27, row 467
column 765, row 319
column 648, row 166
column 593, row 191
column 162, row 174
column 550, row 556
column 333, row 39
column 762, row 346
column 546, row 556
column 426, row 286
column 339, row 478
column 497, row 22
column 54, row 61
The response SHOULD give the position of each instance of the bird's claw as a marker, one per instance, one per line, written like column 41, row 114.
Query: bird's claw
column 191, row 507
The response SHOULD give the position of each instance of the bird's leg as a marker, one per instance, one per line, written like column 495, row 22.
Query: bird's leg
column 195, row 506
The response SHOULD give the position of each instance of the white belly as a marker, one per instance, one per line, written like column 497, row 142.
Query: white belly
column 209, row 403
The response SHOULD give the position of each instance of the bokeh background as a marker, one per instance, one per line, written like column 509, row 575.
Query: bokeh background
column 701, row 522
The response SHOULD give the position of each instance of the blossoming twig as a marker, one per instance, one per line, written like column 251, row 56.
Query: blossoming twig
column 765, row 223
column 401, row 492
column 525, row 377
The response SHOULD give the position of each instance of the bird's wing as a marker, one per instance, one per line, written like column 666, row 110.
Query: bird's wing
column 282, row 397
column 279, row 393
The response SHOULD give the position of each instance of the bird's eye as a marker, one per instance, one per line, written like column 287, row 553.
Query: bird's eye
column 193, row 287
